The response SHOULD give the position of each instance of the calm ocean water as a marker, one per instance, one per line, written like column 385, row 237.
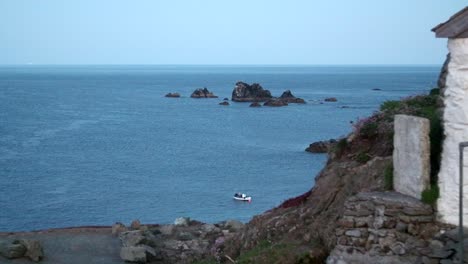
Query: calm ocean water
column 92, row 145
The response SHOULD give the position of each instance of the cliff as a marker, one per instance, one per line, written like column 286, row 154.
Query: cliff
column 303, row 229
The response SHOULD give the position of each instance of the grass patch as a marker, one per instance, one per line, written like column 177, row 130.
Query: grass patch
column 388, row 178
column 431, row 195
column 266, row 252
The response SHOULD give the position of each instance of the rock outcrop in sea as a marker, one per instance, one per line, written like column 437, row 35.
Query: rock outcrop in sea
column 173, row 95
column 244, row 92
column 321, row 146
column 203, row 93
column 288, row 97
column 275, row 102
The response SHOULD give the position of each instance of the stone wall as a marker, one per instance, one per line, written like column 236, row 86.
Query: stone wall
column 411, row 155
column 456, row 130
column 389, row 227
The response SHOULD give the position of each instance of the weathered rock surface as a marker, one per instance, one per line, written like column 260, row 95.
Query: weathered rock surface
column 136, row 254
column 411, row 156
column 275, row 103
column 244, row 92
column 173, row 95
column 288, row 97
column 118, row 228
column 203, row 93
column 12, row 250
column 34, row 250
column 321, row 146
column 183, row 242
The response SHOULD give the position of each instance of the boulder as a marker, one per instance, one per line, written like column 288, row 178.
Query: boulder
column 226, row 99
column 244, row 92
column 275, row 103
column 224, row 103
column 321, row 146
column 133, row 254
column 34, row 249
column 135, row 225
column 118, row 228
column 233, row 225
column 182, row 221
column 173, row 95
column 288, row 97
column 255, row 104
column 331, row 99
column 203, row 93
column 12, row 250
column 132, row 238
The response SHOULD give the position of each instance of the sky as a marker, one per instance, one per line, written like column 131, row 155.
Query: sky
column 223, row 32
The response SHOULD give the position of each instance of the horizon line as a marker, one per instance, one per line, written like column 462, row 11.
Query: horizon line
column 234, row 64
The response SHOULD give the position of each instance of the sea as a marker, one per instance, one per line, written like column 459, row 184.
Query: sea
column 94, row 145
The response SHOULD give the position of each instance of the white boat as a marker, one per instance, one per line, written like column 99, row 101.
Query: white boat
column 242, row 197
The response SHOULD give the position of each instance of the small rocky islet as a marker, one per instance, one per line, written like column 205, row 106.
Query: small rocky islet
column 244, row 92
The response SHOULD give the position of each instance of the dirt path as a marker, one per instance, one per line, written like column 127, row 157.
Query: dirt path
column 91, row 245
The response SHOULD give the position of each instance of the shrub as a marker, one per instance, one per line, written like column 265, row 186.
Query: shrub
column 430, row 195
column 390, row 105
column 341, row 146
column 388, row 178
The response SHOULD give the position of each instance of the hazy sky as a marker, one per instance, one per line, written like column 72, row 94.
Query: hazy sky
column 223, row 32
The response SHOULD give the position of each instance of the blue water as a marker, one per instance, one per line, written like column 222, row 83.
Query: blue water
column 92, row 145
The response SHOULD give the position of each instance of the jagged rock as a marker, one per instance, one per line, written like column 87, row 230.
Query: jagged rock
column 167, row 230
column 233, row 225
column 133, row 254
column 288, row 97
column 203, row 93
column 173, row 95
column 331, row 99
column 321, row 146
column 118, row 228
column 244, row 92
column 182, row 221
column 275, row 102
column 34, row 249
column 255, row 104
column 11, row 250
column 132, row 238
column 135, row 225
column 224, row 103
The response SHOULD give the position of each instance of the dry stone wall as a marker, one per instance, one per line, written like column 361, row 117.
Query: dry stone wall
column 389, row 227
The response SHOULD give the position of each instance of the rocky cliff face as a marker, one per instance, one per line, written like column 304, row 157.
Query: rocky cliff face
column 244, row 92
column 308, row 222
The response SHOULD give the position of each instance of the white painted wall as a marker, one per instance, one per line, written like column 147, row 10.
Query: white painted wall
column 456, row 130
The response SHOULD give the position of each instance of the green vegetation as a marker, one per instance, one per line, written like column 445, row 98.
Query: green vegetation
column 388, row 178
column 341, row 146
column 363, row 157
column 265, row 252
column 431, row 195
column 381, row 124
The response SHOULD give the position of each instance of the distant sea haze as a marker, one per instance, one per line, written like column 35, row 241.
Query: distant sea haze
column 92, row 145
